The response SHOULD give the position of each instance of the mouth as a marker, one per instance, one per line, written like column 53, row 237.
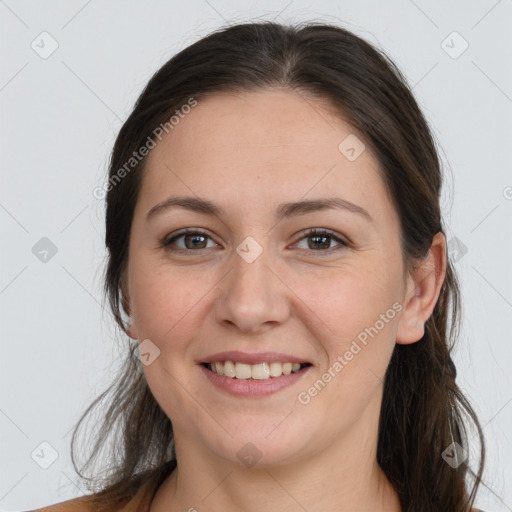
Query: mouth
column 259, row 371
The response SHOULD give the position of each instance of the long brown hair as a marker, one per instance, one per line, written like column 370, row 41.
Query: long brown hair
column 423, row 409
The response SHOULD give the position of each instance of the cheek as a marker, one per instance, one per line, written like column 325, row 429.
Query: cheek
column 169, row 309
column 361, row 312
column 166, row 302
column 349, row 299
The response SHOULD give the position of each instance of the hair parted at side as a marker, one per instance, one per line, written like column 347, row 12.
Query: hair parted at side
column 423, row 409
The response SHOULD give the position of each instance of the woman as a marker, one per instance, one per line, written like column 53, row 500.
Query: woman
column 277, row 251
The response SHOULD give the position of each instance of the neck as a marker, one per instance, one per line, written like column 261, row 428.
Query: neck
column 310, row 488
column 343, row 478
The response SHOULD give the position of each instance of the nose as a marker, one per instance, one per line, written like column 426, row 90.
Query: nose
column 253, row 296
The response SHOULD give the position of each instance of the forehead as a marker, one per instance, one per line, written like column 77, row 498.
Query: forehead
column 254, row 147
column 269, row 123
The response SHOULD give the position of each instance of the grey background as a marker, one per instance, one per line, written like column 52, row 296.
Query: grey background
column 59, row 117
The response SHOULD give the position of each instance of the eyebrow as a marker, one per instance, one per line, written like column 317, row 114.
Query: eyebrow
column 284, row 210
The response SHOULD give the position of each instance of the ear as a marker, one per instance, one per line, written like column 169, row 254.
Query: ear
column 423, row 286
column 130, row 328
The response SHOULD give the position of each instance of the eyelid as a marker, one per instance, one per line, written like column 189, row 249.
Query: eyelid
column 343, row 243
column 187, row 231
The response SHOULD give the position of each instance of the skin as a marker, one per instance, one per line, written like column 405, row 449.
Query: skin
column 248, row 153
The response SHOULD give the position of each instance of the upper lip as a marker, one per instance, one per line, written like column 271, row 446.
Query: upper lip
column 255, row 358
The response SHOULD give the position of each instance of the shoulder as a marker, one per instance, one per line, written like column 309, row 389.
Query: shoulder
column 138, row 503
column 82, row 505
column 74, row 505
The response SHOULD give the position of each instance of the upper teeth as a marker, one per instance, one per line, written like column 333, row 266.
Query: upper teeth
column 259, row 371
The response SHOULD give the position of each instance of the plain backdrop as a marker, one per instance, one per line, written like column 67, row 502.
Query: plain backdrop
column 70, row 74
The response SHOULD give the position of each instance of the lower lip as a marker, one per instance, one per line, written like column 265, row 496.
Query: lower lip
column 253, row 387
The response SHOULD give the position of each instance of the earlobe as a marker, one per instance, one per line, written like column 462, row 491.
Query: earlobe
column 411, row 327
column 424, row 284
column 131, row 330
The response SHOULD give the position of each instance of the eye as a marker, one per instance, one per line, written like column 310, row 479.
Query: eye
column 322, row 238
column 193, row 239
column 196, row 239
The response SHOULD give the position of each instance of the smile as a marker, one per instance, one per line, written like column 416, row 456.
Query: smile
column 260, row 371
column 253, row 380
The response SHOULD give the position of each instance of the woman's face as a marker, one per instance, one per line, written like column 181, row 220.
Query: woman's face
column 253, row 281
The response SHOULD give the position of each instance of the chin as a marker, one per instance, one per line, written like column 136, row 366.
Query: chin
column 261, row 446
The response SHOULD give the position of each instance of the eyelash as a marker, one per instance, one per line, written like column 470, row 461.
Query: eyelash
column 166, row 243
